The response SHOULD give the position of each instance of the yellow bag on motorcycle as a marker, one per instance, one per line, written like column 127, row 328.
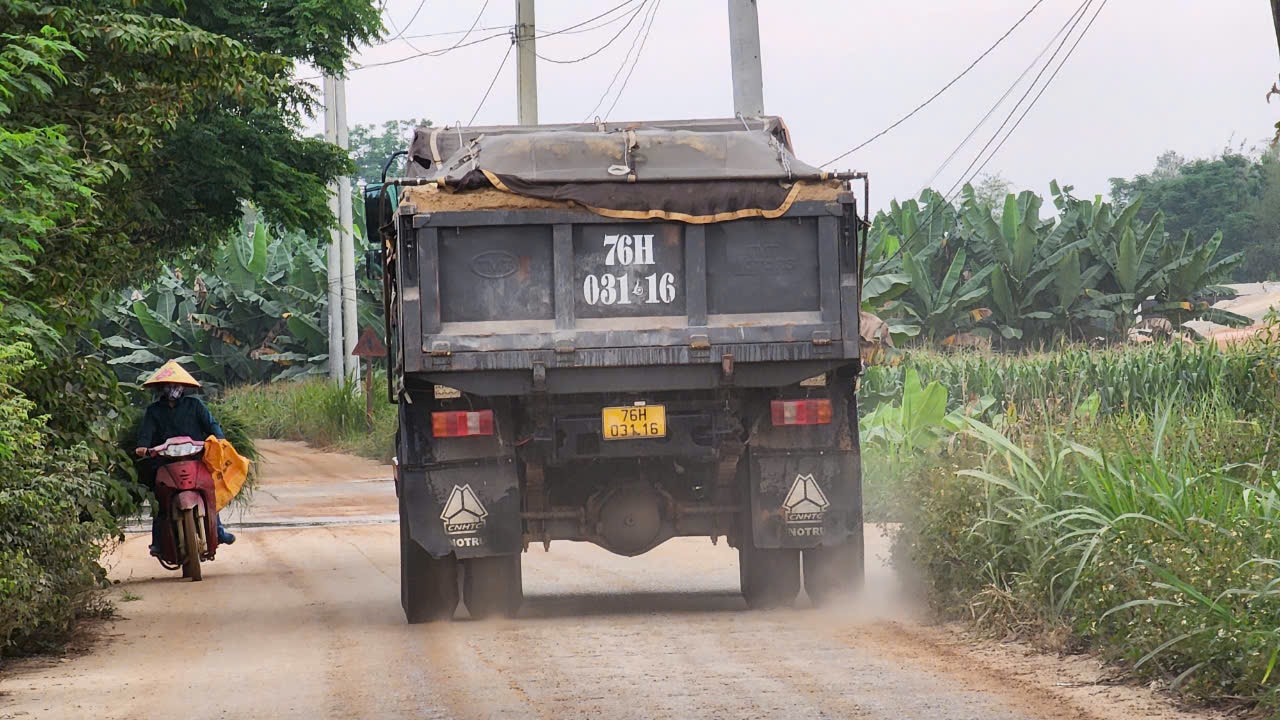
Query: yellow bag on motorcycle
column 229, row 469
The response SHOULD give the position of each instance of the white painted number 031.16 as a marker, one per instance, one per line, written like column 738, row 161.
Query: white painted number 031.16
column 626, row 252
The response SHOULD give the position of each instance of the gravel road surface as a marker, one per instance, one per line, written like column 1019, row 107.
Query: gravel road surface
column 301, row 619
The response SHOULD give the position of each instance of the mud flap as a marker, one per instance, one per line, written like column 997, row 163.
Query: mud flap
column 471, row 508
column 804, row 498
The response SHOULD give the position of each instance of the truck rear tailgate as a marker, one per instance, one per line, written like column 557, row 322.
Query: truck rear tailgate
column 514, row 289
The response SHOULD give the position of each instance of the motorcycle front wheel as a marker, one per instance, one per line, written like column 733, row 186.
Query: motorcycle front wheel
column 190, row 546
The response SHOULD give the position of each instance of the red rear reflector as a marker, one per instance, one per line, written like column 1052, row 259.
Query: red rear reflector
column 801, row 412
column 461, row 424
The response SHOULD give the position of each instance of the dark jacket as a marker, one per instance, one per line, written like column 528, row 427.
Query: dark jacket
column 188, row 417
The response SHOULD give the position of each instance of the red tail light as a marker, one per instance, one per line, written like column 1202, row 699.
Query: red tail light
column 801, row 412
column 461, row 424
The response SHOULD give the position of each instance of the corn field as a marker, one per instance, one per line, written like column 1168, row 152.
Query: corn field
column 1134, row 379
column 1123, row 501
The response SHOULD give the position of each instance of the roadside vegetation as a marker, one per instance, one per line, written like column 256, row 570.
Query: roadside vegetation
column 131, row 136
column 318, row 412
column 1123, row 502
column 985, row 272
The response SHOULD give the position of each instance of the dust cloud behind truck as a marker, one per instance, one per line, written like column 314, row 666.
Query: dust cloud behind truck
column 619, row 334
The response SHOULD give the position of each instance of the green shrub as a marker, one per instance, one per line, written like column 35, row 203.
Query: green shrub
column 53, row 523
column 1156, row 554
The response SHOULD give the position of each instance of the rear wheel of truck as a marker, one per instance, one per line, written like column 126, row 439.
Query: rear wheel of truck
column 832, row 572
column 492, row 586
column 770, row 578
column 428, row 585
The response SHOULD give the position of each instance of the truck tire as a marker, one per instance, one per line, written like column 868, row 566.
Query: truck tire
column 428, row 585
column 770, row 578
column 492, row 585
column 832, row 572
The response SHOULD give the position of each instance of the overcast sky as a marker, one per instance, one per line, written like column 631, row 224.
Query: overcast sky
column 1151, row 75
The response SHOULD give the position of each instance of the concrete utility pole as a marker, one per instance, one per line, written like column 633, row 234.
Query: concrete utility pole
column 350, row 325
column 526, row 64
column 334, row 282
column 1275, row 18
column 744, row 57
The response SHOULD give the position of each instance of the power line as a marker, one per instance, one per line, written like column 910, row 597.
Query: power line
column 446, row 33
column 1044, row 87
column 616, row 74
column 643, row 38
column 406, row 26
column 1008, row 91
column 463, row 39
column 610, row 11
column 491, row 84
column 1072, row 23
column 430, row 53
column 593, row 28
column 1084, row 9
column 944, row 88
column 600, row 49
column 460, row 45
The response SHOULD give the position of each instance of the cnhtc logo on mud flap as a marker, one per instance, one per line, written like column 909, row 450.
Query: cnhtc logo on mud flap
column 805, row 504
column 463, row 514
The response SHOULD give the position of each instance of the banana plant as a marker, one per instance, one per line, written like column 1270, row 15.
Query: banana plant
column 254, row 315
column 1035, row 264
column 919, row 421
column 1192, row 279
column 920, row 228
column 1146, row 269
column 948, row 307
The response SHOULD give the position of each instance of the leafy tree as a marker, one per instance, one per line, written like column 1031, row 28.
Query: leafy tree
column 1231, row 193
column 990, row 190
column 44, row 186
column 131, row 131
column 371, row 145
column 177, row 115
column 52, row 518
column 183, row 112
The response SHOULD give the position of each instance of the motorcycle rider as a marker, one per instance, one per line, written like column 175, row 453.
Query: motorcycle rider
column 174, row 414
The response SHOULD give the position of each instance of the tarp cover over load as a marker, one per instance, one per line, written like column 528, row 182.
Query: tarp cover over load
column 696, row 171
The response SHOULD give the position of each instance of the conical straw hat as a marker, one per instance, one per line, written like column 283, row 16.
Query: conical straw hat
column 172, row 372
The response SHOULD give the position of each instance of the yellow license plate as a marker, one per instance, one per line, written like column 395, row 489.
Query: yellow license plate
column 634, row 423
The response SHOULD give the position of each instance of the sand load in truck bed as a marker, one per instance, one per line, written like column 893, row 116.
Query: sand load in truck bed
column 700, row 173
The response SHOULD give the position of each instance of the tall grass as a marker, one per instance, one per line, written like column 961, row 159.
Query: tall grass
column 1148, row 533
column 318, row 412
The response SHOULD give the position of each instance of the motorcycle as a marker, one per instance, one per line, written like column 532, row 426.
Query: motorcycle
column 184, row 490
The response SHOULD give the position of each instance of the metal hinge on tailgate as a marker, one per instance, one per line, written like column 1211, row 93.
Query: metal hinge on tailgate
column 441, row 354
column 821, row 341
column 566, row 352
column 699, row 347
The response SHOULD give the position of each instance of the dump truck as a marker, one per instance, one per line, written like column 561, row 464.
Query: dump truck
column 621, row 333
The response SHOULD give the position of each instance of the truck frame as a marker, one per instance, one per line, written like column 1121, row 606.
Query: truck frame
column 621, row 378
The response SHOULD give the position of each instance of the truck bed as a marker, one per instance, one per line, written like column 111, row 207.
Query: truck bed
column 701, row 258
column 506, row 292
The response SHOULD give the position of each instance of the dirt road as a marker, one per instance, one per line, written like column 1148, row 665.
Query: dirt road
column 301, row 619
